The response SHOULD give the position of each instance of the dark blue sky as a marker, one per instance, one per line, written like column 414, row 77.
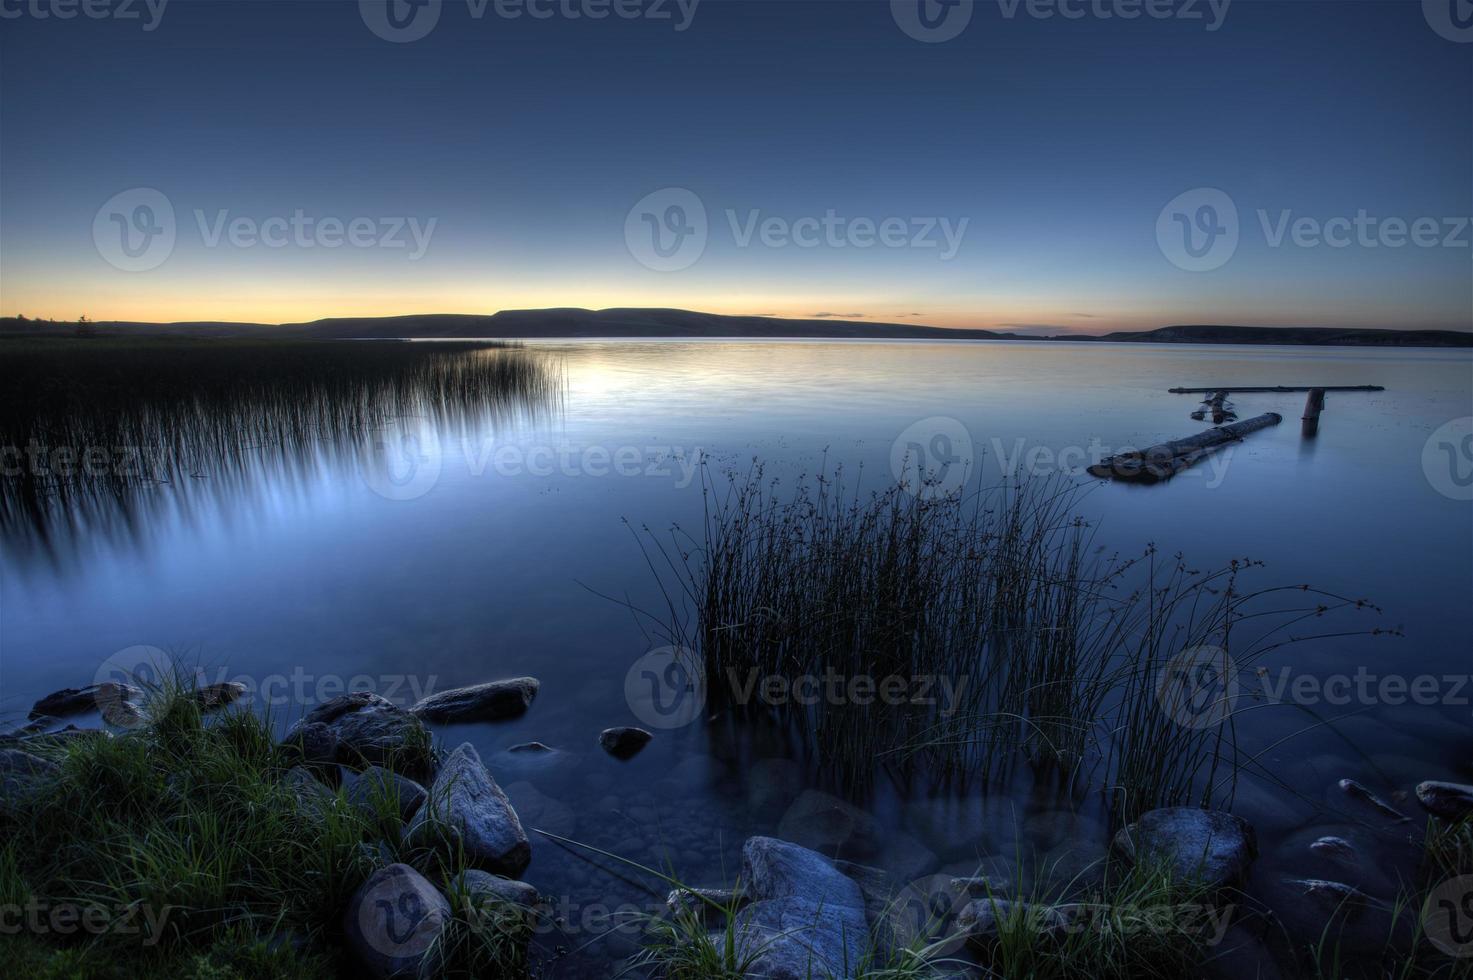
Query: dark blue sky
column 1059, row 142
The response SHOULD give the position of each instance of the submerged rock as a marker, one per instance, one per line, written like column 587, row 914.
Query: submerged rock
column 1336, row 849
column 394, row 921
column 492, row 701
column 1357, row 791
column 108, row 697
column 1450, row 801
column 623, row 743
column 1316, row 912
column 371, row 730
column 467, row 810
column 377, row 784
column 532, row 748
column 1210, row 846
column 706, row 905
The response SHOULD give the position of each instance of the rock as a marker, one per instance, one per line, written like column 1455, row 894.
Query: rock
column 1336, row 849
column 21, row 773
column 982, row 886
column 394, row 921
column 377, row 785
column 1330, row 914
column 480, row 886
column 311, row 793
column 312, row 743
column 541, row 812
column 108, row 696
column 1450, row 801
column 1208, row 845
column 371, row 730
column 1356, row 791
column 772, row 784
column 623, row 743
column 983, row 921
column 708, row 906
column 531, row 747
column 493, row 701
column 773, row 868
column 212, row 697
column 467, row 810
column 798, row 939
column 1240, row 955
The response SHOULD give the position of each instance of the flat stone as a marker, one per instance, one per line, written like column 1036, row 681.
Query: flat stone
column 393, row 923
column 623, row 743
column 108, row 695
column 1210, row 846
column 377, row 784
column 492, row 701
column 468, row 810
column 1450, row 801
column 371, row 730
column 481, row 886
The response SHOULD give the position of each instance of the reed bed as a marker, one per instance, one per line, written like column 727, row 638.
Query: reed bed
column 1014, row 636
column 111, row 419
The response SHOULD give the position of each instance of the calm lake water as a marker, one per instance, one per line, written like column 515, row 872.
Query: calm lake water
column 495, row 551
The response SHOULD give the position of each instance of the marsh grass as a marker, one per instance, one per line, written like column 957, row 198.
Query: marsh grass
column 1056, row 651
column 186, row 826
column 177, row 412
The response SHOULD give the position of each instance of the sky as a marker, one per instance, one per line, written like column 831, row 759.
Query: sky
column 1042, row 166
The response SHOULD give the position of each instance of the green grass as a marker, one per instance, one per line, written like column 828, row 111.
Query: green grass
column 202, row 860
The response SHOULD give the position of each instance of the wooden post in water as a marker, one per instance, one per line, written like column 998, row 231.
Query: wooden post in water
column 1313, row 406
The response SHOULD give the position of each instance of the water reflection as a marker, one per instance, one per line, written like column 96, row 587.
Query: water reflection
column 102, row 448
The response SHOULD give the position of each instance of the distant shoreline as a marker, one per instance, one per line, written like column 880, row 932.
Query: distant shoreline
column 620, row 324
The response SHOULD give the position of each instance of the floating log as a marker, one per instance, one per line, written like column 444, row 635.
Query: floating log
column 1165, row 460
column 1313, row 406
column 1240, row 390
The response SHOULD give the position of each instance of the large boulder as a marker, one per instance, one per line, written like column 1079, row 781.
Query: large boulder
column 492, row 701
column 1450, row 801
column 773, row 868
column 797, row 939
column 371, row 730
column 1208, row 846
column 394, row 921
column 377, row 786
column 467, row 811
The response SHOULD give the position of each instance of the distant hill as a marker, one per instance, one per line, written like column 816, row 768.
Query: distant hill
column 575, row 323
column 1310, row 336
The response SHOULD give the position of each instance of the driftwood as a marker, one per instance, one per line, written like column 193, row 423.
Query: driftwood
column 1218, row 406
column 1240, row 390
column 1165, row 460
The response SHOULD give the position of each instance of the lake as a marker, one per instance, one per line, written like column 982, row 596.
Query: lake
column 451, row 548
